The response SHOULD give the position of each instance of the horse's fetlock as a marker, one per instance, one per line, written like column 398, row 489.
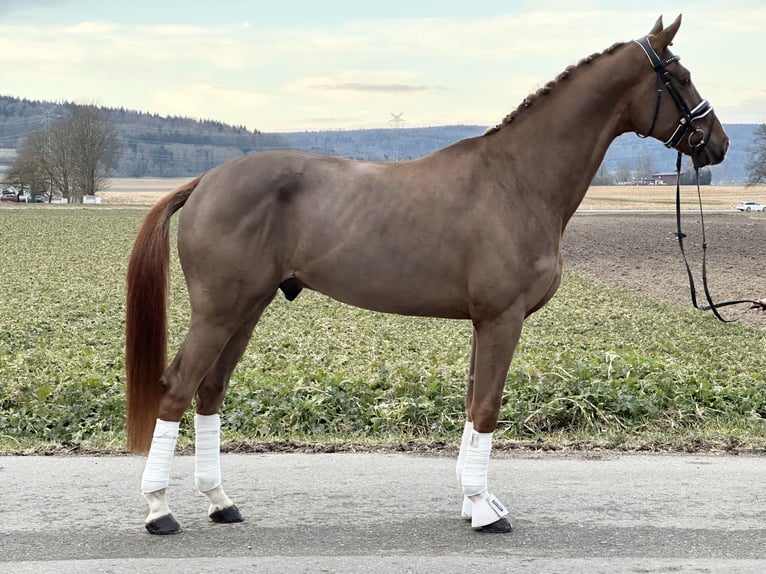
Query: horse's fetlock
column 484, row 418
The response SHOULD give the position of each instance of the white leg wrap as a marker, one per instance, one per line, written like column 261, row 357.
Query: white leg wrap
column 207, row 452
column 467, row 511
column 157, row 470
column 467, row 431
column 478, row 504
column 474, row 476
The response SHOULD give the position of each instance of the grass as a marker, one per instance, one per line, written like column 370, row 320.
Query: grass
column 597, row 367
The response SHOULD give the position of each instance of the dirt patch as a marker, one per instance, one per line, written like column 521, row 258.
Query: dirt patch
column 639, row 251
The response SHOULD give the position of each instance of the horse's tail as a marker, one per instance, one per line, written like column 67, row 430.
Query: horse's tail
column 146, row 317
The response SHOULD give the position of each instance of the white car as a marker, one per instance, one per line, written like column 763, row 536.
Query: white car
column 750, row 206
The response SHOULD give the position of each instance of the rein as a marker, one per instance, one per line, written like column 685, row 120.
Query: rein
column 681, row 235
column 686, row 124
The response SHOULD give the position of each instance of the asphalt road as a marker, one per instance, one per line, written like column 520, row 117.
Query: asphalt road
column 387, row 513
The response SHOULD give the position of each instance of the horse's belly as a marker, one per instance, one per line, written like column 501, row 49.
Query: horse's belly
column 420, row 298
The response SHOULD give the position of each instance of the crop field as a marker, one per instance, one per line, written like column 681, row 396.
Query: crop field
column 145, row 191
column 604, row 364
column 653, row 197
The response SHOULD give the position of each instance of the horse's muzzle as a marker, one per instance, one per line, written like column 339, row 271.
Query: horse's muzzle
column 712, row 153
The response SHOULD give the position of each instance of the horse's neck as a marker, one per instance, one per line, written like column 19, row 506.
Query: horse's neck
column 559, row 142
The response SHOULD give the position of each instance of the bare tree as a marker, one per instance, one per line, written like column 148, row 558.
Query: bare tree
column 75, row 154
column 756, row 168
column 692, row 176
column 644, row 167
column 49, row 149
column 603, row 176
column 93, row 142
column 27, row 174
column 623, row 173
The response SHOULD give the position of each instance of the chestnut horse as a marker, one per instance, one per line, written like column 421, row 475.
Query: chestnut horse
column 472, row 231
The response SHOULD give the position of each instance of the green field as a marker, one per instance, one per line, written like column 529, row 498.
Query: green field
column 598, row 367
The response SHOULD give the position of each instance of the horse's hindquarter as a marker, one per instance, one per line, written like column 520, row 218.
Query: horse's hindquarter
column 425, row 237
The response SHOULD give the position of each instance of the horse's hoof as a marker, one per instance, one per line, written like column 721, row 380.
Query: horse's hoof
column 227, row 515
column 163, row 525
column 498, row 527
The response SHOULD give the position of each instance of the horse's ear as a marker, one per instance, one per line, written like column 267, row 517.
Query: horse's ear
column 657, row 28
column 665, row 36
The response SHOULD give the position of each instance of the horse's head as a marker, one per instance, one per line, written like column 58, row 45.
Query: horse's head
column 669, row 107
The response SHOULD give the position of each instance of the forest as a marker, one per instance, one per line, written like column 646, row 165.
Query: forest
column 151, row 145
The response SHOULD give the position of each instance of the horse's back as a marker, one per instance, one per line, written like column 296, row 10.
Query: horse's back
column 350, row 229
column 421, row 237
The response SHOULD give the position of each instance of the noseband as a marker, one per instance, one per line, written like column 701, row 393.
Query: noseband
column 688, row 115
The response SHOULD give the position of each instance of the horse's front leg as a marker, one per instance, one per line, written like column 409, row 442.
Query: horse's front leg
column 467, row 510
column 493, row 346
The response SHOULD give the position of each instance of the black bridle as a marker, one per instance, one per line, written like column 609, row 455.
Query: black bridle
column 688, row 115
column 686, row 125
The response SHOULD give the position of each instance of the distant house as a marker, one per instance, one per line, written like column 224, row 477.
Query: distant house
column 665, row 178
column 688, row 177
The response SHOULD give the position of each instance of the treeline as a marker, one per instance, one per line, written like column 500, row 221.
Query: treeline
column 151, row 145
column 381, row 144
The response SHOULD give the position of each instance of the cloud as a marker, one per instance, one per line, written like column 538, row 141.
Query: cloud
column 7, row 6
column 362, row 87
column 197, row 101
column 438, row 70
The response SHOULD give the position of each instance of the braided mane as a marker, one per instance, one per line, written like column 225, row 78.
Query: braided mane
column 546, row 89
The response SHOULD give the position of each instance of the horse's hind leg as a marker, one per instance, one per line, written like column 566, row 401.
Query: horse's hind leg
column 207, row 423
column 212, row 327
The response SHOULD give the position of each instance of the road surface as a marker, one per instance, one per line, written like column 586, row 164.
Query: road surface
column 391, row 513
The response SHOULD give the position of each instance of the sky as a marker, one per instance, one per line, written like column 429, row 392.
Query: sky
column 279, row 66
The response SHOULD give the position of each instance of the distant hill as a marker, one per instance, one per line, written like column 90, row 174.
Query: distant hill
column 151, row 145
column 411, row 143
column 157, row 146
